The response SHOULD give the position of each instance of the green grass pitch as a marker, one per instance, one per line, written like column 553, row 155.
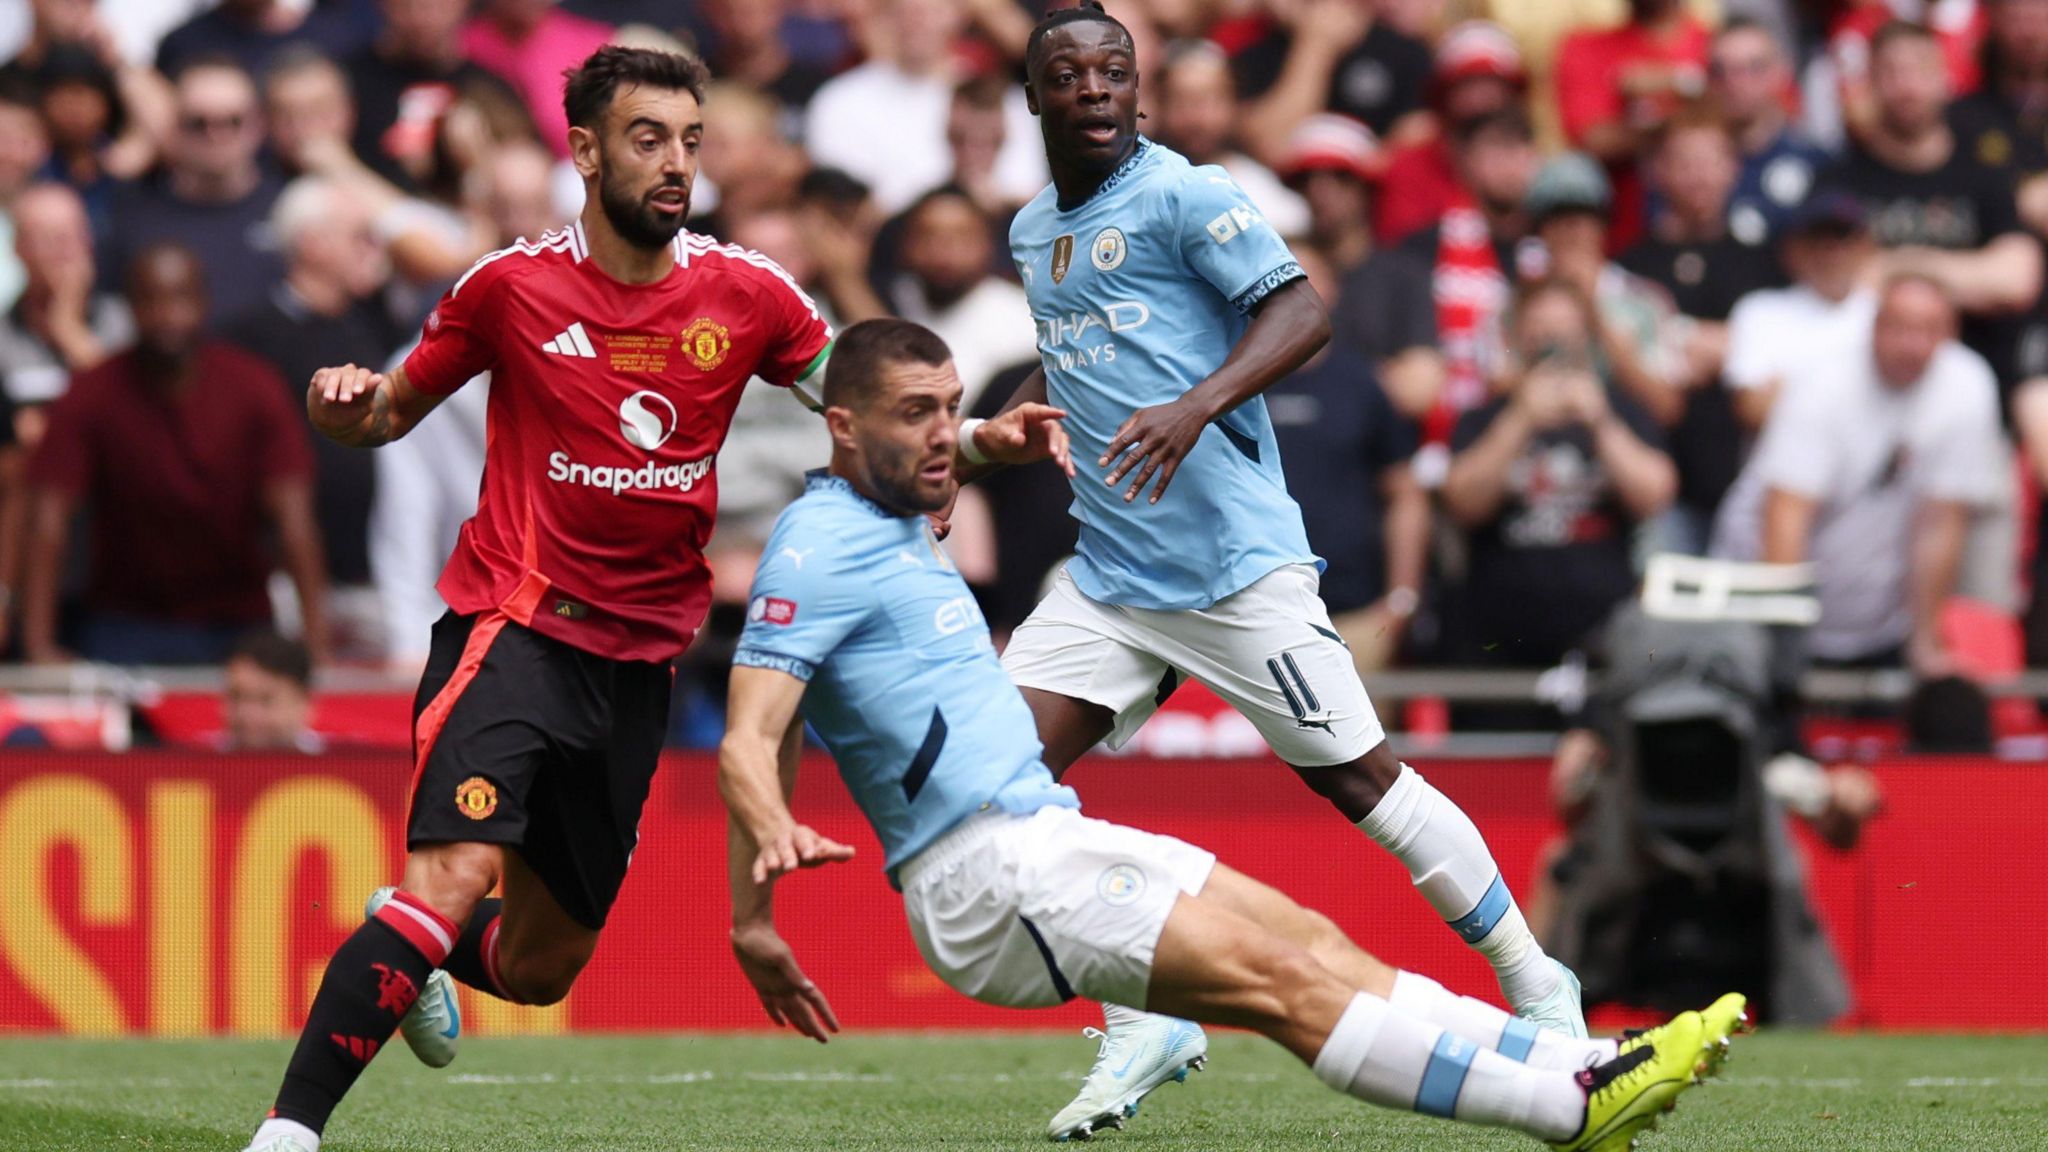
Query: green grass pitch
column 1798, row 1093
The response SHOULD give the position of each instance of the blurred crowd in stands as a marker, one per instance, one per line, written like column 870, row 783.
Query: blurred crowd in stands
column 1759, row 279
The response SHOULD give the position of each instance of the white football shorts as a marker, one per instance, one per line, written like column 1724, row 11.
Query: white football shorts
column 1269, row 650
column 1032, row 911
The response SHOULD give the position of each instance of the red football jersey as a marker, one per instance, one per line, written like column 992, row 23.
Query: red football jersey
column 609, row 403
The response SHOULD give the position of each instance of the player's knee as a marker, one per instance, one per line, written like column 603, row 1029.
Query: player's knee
column 452, row 878
column 1346, row 786
column 1356, row 787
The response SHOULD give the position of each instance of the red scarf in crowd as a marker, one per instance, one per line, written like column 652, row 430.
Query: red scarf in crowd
column 1471, row 291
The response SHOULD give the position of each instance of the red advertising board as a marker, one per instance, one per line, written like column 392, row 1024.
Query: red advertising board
column 178, row 894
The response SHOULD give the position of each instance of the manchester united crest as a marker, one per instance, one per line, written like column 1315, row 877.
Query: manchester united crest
column 706, row 342
column 477, row 798
column 1062, row 257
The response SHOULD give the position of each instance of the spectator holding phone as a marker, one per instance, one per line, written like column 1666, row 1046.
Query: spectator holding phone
column 1550, row 480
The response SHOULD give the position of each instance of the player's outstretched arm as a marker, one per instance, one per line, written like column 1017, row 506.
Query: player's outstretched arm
column 761, row 707
column 1288, row 327
column 757, row 764
column 362, row 408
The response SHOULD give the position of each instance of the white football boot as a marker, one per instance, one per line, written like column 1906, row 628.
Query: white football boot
column 283, row 1136
column 433, row 1025
column 1134, row 1060
column 282, row 1144
column 1560, row 1011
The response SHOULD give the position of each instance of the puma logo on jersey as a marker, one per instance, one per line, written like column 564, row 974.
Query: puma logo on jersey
column 796, row 558
column 571, row 341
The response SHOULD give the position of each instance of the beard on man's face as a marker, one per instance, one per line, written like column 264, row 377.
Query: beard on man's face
column 633, row 216
column 898, row 482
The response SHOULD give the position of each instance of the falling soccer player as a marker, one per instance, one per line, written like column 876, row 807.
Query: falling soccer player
column 858, row 624
column 1165, row 306
column 618, row 348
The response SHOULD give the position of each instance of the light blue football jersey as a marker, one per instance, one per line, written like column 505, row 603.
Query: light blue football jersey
column 1139, row 294
column 905, row 688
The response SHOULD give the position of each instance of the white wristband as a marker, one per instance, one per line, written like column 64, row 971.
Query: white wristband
column 968, row 451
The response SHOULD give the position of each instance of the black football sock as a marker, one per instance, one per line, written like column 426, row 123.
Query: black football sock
column 370, row 983
column 473, row 961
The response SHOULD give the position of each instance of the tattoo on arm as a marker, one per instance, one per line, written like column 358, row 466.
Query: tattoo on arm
column 375, row 432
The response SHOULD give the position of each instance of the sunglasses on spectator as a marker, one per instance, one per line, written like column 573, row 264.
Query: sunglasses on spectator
column 200, row 125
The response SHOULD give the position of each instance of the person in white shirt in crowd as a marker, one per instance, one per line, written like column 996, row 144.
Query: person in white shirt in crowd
column 774, row 439
column 427, row 482
column 24, row 149
column 63, row 323
column 1830, row 254
column 1872, row 467
column 947, row 285
column 1196, row 101
column 907, row 85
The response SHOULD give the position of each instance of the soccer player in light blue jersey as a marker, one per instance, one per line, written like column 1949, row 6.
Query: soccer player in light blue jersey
column 1165, row 306
column 858, row 624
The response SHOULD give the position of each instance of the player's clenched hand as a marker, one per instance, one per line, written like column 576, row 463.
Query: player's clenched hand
column 340, row 399
column 798, row 847
column 787, row 994
column 1153, row 442
column 1026, row 434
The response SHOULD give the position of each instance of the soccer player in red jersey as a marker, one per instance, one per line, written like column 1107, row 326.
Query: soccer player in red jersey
column 617, row 349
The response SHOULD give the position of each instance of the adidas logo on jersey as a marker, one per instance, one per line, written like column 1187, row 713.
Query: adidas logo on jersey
column 571, row 341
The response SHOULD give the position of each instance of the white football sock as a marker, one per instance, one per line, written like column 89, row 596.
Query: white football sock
column 275, row 1126
column 1511, row 1036
column 1387, row 1057
column 1450, row 864
column 1118, row 1016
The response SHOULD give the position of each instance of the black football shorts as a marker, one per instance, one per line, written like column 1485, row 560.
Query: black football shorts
column 523, row 740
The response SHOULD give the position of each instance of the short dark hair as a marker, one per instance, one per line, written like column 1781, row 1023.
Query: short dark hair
column 277, row 654
column 831, row 187
column 1949, row 715
column 862, row 351
column 1059, row 18
column 946, row 191
column 590, row 86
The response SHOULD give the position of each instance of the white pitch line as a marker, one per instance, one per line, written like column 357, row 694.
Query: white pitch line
column 1977, row 1082
column 496, row 1080
column 1847, row 1082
